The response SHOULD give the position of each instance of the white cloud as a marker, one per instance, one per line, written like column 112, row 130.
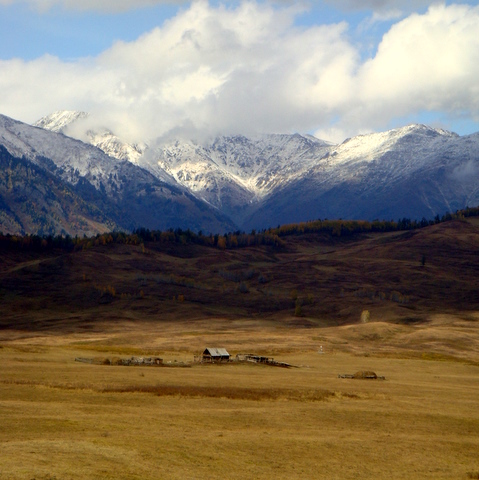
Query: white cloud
column 248, row 69
column 379, row 17
column 208, row 69
column 466, row 171
column 425, row 62
column 332, row 134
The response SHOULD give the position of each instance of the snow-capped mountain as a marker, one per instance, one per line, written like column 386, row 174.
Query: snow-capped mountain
column 229, row 173
column 234, row 173
column 76, row 124
column 413, row 171
column 73, row 159
column 60, row 121
column 121, row 193
column 259, row 164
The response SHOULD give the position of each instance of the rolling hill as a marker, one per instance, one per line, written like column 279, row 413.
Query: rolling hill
column 400, row 277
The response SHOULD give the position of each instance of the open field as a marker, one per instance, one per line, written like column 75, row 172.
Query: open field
column 67, row 420
column 60, row 419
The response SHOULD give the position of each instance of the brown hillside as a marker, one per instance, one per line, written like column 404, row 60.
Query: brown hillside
column 315, row 280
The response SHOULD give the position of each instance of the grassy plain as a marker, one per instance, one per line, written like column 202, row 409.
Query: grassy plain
column 67, row 420
column 60, row 419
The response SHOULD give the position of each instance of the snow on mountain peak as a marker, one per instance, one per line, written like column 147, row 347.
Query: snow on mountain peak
column 248, row 179
column 421, row 129
column 233, row 173
column 255, row 164
column 369, row 146
column 75, row 124
column 60, row 120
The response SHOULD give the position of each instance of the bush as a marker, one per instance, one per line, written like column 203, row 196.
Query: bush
column 365, row 316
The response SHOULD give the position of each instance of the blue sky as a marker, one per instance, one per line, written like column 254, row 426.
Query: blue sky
column 72, row 33
column 152, row 68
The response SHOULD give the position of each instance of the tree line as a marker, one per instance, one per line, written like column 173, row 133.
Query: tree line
column 230, row 240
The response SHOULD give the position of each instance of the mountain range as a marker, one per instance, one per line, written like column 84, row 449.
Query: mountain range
column 54, row 183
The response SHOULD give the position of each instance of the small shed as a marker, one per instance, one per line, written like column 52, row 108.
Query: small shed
column 215, row 355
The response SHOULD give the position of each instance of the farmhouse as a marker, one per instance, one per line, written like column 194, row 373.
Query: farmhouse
column 215, row 355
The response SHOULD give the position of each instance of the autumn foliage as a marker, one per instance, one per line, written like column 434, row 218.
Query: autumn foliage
column 230, row 240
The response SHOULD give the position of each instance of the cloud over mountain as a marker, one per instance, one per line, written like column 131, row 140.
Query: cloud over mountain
column 250, row 68
column 425, row 62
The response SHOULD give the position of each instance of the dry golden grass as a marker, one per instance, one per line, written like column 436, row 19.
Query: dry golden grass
column 64, row 420
column 61, row 419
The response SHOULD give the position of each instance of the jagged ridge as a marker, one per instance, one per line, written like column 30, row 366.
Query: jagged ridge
column 412, row 171
column 126, row 195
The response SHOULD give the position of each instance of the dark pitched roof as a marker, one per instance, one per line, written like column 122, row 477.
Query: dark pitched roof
column 216, row 352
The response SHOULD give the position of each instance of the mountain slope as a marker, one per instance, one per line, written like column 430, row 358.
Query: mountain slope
column 61, row 121
column 77, row 125
column 415, row 172
column 230, row 173
column 128, row 196
column 33, row 200
column 233, row 173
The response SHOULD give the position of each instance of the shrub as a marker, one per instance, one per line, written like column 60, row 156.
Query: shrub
column 365, row 316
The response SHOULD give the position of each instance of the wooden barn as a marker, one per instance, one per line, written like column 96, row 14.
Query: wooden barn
column 215, row 355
